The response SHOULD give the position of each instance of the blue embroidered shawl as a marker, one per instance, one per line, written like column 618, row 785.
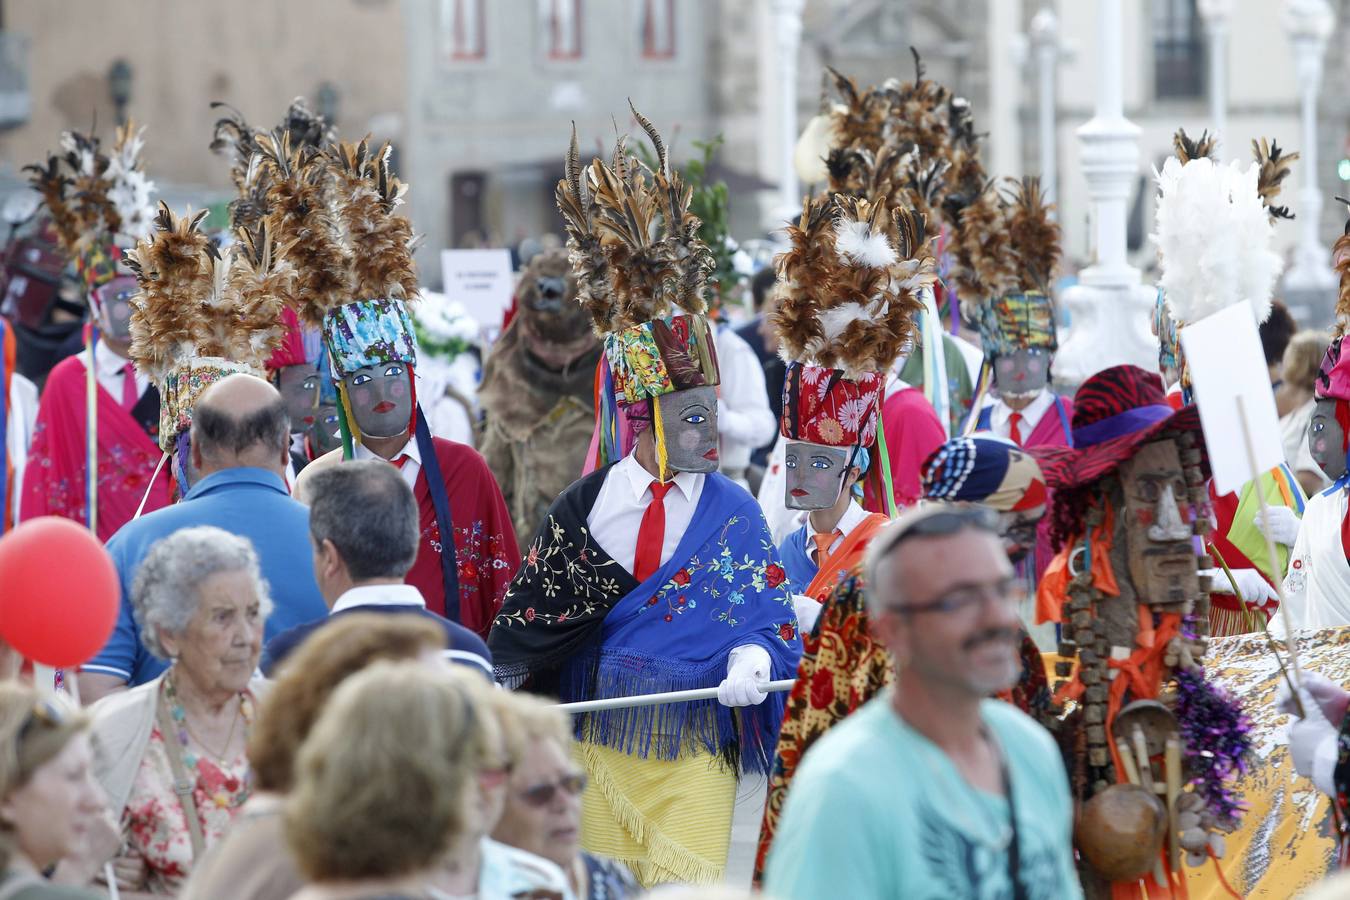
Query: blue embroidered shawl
column 801, row 569
column 723, row 587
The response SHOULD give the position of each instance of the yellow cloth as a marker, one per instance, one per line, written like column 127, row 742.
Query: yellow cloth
column 667, row 820
column 1284, row 844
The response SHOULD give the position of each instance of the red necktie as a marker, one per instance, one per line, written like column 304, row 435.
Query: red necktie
column 1014, row 428
column 129, row 393
column 651, row 533
column 400, row 461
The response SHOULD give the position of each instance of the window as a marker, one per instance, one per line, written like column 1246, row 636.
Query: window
column 462, row 30
column 658, row 29
column 1178, row 50
column 560, row 24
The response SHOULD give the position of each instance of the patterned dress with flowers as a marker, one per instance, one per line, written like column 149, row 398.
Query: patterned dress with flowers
column 155, row 822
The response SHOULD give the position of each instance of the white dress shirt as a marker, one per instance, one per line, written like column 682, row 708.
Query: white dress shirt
column 410, row 468
column 20, row 421
column 110, row 370
column 745, row 422
column 1031, row 416
column 854, row 516
column 616, row 517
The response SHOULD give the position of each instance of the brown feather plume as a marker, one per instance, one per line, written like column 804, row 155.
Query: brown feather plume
column 982, row 246
column 850, row 283
column 367, row 194
column 631, row 237
column 1275, row 166
column 299, row 213
column 74, row 186
column 1340, row 258
column 1188, row 149
column 261, row 283
column 1034, row 236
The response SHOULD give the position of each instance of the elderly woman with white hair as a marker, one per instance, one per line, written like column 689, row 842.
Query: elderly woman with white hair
column 200, row 603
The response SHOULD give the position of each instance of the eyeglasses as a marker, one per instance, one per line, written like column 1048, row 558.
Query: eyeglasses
column 543, row 794
column 1008, row 593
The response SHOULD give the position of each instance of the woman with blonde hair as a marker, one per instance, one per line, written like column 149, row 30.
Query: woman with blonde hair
column 49, row 804
column 253, row 861
column 383, row 783
column 543, row 803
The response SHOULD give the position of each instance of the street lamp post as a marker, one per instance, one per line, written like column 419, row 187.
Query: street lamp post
column 1309, row 23
column 1045, row 40
column 1110, row 308
column 1216, row 14
column 787, row 31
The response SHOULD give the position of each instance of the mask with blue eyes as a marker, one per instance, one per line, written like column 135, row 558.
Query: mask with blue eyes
column 1326, row 439
column 323, row 430
column 689, row 418
column 815, row 474
column 381, row 398
column 113, row 301
column 299, row 387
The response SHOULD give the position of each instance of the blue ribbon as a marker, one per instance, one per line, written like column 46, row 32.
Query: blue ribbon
column 1121, row 424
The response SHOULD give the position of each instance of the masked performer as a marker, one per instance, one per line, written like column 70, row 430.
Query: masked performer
column 842, row 666
column 840, row 349
column 1138, row 709
column 655, row 572
column 357, row 277
column 538, row 394
column 100, row 205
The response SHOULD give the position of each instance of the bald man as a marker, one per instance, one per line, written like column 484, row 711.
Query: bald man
column 240, row 442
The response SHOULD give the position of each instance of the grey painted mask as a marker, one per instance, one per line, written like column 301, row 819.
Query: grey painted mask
column 690, row 421
column 1022, row 372
column 299, row 387
column 1326, row 440
column 322, row 430
column 815, row 474
column 114, row 304
column 381, row 398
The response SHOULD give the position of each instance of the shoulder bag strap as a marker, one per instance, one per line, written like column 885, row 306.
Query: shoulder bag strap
column 182, row 784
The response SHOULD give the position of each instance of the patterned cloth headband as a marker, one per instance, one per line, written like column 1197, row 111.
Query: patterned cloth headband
column 984, row 469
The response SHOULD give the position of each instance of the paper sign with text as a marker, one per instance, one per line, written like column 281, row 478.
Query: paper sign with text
column 1224, row 356
column 482, row 280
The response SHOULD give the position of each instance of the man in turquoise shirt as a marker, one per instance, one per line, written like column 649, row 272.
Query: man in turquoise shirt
column 240, row 449
column 910, row 796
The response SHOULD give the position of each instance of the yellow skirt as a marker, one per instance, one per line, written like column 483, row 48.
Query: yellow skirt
column 667, row 820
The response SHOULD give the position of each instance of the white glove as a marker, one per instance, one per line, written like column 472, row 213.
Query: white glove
column 1251, row 586
column 748, row 668
column 1312, row 745
column 1329, row 696
column 808, row 610
column 1279, row 523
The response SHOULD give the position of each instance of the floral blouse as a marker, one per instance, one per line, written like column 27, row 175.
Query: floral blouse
column 156, row 824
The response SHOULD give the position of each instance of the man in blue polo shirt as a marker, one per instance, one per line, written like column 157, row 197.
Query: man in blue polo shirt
column 240, row 444
column 364, row 528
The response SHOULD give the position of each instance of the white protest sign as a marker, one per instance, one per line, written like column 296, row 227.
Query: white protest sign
column 482, row 280
column 1224, row 356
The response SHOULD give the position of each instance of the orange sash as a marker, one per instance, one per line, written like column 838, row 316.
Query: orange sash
column 844, row 558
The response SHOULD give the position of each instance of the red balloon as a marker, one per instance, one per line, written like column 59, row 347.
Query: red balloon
column 59, row 592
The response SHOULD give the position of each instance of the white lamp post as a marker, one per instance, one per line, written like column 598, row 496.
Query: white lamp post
column 787, row 32
column 1045, row 41
column 1110, row 308
column 1309, row 24
column 1216, row 14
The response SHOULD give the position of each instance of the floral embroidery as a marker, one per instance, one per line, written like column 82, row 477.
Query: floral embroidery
column 563, row 567
column 369, row 333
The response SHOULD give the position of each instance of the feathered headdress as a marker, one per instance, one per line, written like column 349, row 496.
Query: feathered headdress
column 202, row 314
column 1034, row 236
column 1275, row 166
column 1214, row 239
column 850, row 283
column 982, row 247
column 633, row 241
column 235, row 138
column 849, row 290
column 1188, row 149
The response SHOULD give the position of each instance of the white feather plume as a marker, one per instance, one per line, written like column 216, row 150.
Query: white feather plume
column 855, row 243
column 1214, row 238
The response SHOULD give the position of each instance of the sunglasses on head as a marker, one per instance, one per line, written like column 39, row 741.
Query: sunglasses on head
column 543, row 794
